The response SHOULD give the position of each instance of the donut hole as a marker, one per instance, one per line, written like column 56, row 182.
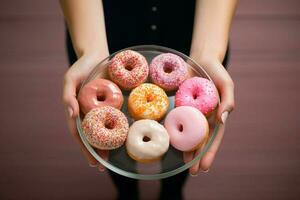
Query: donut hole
column 101, row 98
column 149, row 98
column 180, row 127
column 146, row 139
column 167, row 68
column 128, row 67
column 195, row 95
column 109, row 124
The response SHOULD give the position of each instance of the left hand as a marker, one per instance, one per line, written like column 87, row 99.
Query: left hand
column 73, row 78
column 225, row 86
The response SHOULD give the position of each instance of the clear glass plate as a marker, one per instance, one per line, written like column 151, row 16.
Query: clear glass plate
column 172, row 162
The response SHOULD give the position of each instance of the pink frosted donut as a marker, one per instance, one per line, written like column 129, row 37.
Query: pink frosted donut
column 168, row 71
column 100, row 92
column 197, row 92
column 128, row 69
column 105, row 127
column 186, row 133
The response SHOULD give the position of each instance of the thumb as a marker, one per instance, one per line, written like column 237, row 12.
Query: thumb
column 69, row 97
column 227, row 101
column 73, row 129
column 72, row 108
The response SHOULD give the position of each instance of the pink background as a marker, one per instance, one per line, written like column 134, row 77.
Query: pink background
column 259, row 157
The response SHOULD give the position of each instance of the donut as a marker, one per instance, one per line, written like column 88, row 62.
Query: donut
column 128, row 69
column 187, row 127
column 197, row 92
column 148, row 101
column 105, row 127
column 147, row 141
column 100, row 92
column 168, row 71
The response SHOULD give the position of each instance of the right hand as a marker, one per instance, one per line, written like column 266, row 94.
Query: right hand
column 225, row 86
column 73, row 78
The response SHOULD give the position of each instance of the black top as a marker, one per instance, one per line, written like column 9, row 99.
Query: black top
column 128, row 23
column 135, row 22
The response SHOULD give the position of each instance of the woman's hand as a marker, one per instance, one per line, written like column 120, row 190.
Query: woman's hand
column 225, row 86
column 73, row 78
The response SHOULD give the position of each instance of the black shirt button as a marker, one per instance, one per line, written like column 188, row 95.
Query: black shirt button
column 154, row 8
column 153, row 27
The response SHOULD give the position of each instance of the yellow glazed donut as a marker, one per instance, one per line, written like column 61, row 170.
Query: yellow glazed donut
column 148, row 101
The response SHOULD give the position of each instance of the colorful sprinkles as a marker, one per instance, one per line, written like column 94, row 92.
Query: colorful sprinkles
column 105, row 127
column 128, row 69
column 148, row 101
column 168, row 71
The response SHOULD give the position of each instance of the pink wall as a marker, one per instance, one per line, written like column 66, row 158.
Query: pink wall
column 259, row 157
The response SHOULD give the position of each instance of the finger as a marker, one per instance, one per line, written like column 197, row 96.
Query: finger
column 225, row 86
column 72, row 127
column 195, row 168
column 209, row 156
column 188, row 156
column 69, row 97
column 104, row 155
column 227, row 101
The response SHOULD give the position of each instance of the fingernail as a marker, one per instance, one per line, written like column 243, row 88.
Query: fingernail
column 193, row 175
column 70, row 111
column 101, row 168
column 205, row 171
column 93, row 165
column 224, row 117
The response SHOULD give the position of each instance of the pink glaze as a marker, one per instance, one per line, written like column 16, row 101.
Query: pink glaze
column 105, row 127
column 187, row 128
column 100, row 92
column 197, row 92
column 168, row 71
column 128, row 69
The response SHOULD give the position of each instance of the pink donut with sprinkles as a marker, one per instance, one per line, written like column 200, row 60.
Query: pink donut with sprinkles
column 128, row 69
column 197, row 92
column 105, row 127
column 168, row 71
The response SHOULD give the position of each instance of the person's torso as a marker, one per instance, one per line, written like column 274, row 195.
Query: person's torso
column 136, row 22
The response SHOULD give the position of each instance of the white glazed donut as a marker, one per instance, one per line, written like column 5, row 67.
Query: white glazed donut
column 147, row 141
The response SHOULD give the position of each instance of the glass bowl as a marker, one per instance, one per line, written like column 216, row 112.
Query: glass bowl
column 172, row 162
